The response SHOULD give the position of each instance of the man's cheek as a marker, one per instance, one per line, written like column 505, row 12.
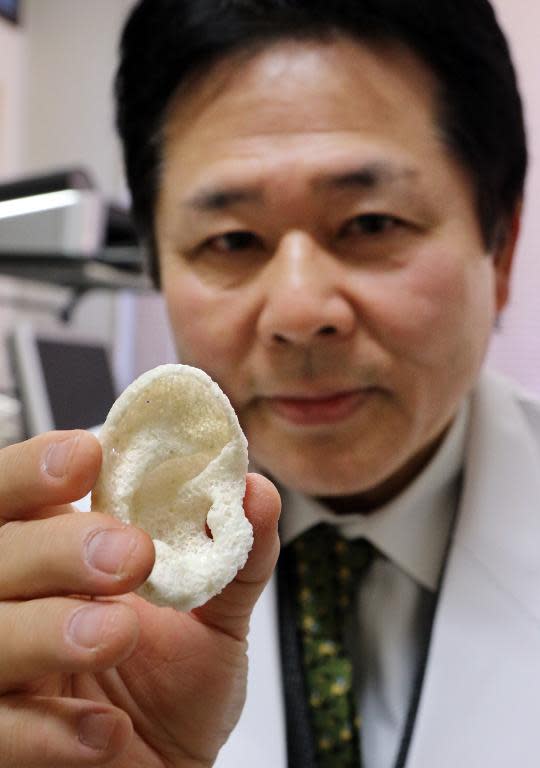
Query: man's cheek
column 425, row 314
column 210, row 347
column 193, row 320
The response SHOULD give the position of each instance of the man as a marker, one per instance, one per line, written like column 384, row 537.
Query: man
column 330, row 196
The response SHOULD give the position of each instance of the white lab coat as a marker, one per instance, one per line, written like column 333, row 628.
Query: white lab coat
column 480, row 700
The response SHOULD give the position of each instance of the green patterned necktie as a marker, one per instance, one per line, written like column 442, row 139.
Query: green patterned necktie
column 328, row 568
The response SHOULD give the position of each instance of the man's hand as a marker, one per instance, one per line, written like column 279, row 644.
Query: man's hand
column 91, row 675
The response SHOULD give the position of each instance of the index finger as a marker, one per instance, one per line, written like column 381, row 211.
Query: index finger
column 50, row 469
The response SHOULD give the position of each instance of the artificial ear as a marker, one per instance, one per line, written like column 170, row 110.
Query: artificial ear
column 503, row 258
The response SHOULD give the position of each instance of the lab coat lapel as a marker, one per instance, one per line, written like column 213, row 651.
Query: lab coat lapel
column 481, row 694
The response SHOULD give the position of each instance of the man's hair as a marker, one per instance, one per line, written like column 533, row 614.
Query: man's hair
column 480, row 113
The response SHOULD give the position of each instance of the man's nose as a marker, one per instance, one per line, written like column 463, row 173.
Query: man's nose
column 305, row 298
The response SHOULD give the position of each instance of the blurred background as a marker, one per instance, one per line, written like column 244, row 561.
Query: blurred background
column 81, row 305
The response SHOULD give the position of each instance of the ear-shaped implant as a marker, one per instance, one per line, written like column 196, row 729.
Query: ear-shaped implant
column 174, row 463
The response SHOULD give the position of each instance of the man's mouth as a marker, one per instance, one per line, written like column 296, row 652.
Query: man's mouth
column 312, row 410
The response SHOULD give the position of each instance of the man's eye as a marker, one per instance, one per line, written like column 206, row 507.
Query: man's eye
column 232, row 242
column 371, row 224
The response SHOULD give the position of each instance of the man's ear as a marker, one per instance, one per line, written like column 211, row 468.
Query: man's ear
column 503, row 257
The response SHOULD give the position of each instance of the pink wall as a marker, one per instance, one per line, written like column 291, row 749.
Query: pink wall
column 516, row 347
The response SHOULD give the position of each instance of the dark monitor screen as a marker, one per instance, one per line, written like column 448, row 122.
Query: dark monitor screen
column 61, row 383
column 9, row 9
column 79, row 383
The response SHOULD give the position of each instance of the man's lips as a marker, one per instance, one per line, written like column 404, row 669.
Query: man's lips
column 310, row 410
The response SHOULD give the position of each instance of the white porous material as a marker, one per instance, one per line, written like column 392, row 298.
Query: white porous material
column 175, row 459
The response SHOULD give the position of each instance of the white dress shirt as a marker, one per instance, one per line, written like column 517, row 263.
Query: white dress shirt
column 395, row 598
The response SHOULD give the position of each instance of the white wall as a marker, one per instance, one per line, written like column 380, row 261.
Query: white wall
column 72, row 58
column 72, row 53
column 12, row 89
column 12, row 93
column 59, row 63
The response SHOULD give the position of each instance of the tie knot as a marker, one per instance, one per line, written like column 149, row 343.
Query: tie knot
column 323, row 548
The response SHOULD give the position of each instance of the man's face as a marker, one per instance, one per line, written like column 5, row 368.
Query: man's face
column 322, row 260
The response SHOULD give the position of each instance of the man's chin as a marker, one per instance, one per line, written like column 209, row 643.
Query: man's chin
column 318, row 482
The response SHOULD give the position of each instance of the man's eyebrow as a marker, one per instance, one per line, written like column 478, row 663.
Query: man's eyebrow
column 366, row 177
column 220, row 198
column 371, row 176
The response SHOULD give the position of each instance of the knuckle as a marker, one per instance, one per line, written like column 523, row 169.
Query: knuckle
column 9, row 536
column 97, row 631
column 53, row 468
column 26, row 738
column 115, row 557
column 66, row 635
column 13, row 738
column 71, row 554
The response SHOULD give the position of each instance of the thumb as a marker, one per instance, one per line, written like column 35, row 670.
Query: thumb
column 230, row 611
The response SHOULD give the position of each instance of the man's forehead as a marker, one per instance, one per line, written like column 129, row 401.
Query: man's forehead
column 367, row 130
column 319, row 83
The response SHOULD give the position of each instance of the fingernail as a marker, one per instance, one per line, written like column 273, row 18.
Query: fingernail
column 109, row 551
column 96, row 730
column 58, row 457
column 87, row 627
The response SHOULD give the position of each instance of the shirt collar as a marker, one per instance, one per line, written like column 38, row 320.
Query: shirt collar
column 413, row 529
